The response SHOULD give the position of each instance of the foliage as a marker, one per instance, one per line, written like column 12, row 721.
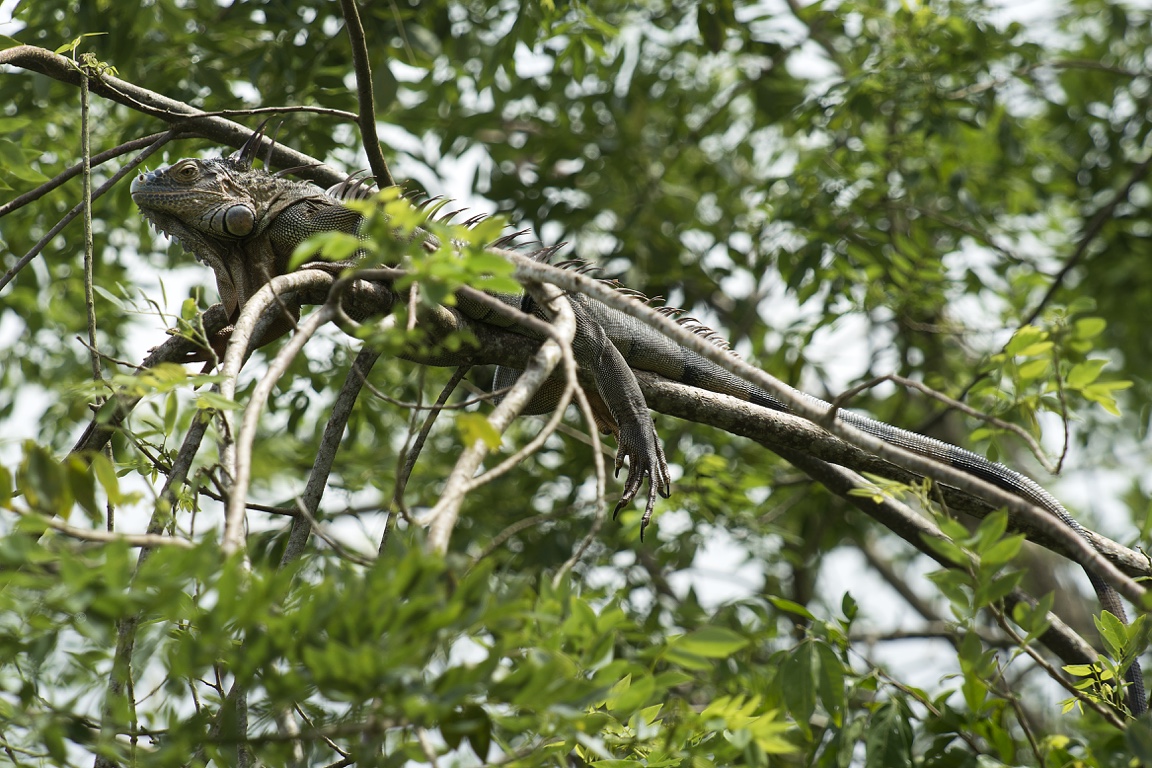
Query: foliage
column 846, row 190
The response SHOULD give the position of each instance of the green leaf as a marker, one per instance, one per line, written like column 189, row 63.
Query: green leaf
column 216, row 401
column 1034, row 369
column 14, row 160
column 1034, row 618
column 629, row 695
column 329, row 246
column 5, row 487
column 946, row 549
column 992, row 528
column 1083, row 374
column 849, row 607
column 474, row 427
column 470, row 722
column 106, row 475
column 1113, row 632
column 189, row 310
column 996, row 590
column 710, row 642
column 1101, row 393
column 82, row 483
column 791, row 607
column 41, row 479
column 1079, row 670
column 73, row 46
column 170, row 413
column 888, row 743
column 831, row 686
column 691, row 661
column 1027, row 341
column 1002, row 551
column 1089, row 327
column 799, row 683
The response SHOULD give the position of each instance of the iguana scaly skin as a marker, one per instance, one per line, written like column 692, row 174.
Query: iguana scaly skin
column 245, row 223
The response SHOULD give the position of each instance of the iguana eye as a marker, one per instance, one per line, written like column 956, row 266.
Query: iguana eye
column 186, row 171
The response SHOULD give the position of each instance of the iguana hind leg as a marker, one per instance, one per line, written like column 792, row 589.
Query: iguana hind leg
column 622, row 414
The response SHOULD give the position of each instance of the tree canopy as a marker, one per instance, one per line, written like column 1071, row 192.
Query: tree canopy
column 936, row 209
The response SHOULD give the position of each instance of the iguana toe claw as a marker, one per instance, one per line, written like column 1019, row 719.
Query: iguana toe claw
column 645, row 460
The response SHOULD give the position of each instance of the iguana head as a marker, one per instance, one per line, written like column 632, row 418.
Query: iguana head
column 198, row 201
column 228, row 215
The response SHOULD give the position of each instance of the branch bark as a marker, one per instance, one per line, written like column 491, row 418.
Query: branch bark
column 171, row 111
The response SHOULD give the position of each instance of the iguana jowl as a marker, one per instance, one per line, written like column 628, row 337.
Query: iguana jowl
column 245, row 223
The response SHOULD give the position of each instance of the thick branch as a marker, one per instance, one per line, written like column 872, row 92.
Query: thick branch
column 914, row 529
column 820, row 413
column 171, row 111
column 442, row 518
column 787, row 434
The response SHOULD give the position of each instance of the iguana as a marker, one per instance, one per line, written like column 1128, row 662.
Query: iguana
column 245, row 224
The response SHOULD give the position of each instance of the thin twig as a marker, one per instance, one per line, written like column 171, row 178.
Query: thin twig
column 413, row 453
column 326, row 454
column 331, row 744
column 283, row 110
column 426, row 746
column 108, row 358
column 105, row 537
column 601, row 505
column 509, row 531
column 367, row 117
column 1008, row 691
column 73, row 171
column 79, row 207
column 413, row 406
column 336, row 546
column 1062, row 398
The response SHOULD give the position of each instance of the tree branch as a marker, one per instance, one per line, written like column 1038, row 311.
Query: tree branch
column 178, row 114
column 441, row 519
column 326, row 454
column 366, row 118
column 818, row 413
column 79, row 207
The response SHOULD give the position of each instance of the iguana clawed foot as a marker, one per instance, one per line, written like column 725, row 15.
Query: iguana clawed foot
column 645, row 459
